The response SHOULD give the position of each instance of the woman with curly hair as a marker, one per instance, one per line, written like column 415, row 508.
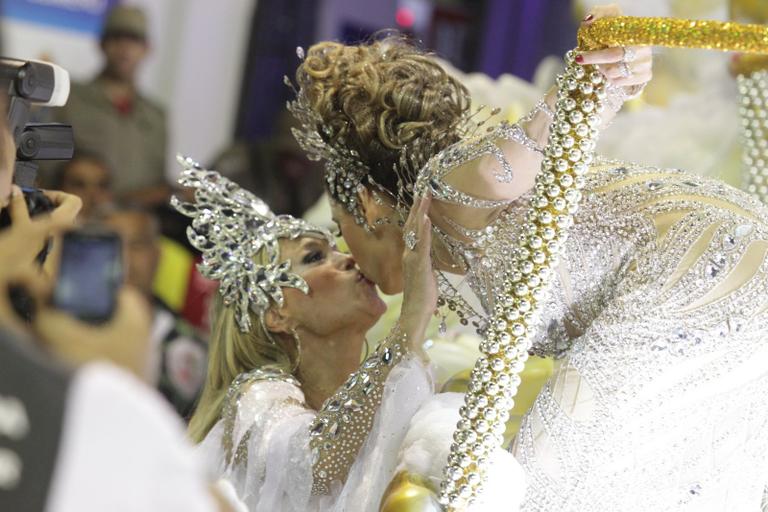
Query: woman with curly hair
column 657, row 313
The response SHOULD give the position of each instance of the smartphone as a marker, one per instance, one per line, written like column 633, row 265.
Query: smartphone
column 90, row 274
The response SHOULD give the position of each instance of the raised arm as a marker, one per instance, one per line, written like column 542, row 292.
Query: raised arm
column 345, row 420
column 502, row 165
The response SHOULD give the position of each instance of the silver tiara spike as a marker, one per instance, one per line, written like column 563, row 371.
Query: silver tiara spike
column 344, row 171
column 230, row 226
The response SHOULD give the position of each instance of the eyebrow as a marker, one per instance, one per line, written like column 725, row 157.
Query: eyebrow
column 311, row 243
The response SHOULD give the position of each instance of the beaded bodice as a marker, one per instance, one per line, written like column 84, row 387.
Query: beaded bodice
column 657, row 318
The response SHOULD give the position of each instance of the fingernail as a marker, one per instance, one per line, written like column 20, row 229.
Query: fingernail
column 589, row 17
column 579, row 59
column 15, row 191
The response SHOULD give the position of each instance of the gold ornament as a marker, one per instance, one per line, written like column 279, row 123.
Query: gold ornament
column 674, row 33
column 408, row 492
column 748, row 64
column 753, row 11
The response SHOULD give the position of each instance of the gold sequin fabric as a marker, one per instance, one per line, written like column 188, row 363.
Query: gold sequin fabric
column 674, row 33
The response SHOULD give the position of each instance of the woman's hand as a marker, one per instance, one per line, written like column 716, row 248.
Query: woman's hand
column 420, row 285
column 629, row 68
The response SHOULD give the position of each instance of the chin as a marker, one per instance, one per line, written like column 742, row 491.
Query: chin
column 379, row 309
column 391, row 286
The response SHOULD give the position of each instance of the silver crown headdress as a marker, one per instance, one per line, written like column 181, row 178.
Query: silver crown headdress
column 230, row 226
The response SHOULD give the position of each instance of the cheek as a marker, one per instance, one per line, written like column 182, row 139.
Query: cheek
column 321, row 284
column 362, row 246
column 323, row 307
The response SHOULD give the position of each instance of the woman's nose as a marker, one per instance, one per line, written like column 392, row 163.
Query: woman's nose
column 346, row 261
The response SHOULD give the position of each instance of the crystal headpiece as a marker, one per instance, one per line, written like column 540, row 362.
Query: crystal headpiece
column 230, row 226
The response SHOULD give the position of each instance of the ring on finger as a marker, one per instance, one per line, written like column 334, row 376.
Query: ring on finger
column 629, row 54
column 411, row 240
column 624, row 71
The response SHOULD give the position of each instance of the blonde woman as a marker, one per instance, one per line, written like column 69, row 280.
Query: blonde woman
column 288, row 414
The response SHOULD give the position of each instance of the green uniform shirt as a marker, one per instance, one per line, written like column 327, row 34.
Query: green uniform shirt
column 132, row 143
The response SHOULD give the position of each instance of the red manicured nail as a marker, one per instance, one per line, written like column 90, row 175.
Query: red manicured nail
column 579, row 59
column 589, row 17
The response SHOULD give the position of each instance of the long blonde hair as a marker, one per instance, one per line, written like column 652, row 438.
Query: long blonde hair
column 232, row 352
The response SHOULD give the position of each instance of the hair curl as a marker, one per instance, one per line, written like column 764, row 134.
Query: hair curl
column 380, row 96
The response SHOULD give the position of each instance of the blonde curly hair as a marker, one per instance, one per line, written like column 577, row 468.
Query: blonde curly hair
column 379, row 97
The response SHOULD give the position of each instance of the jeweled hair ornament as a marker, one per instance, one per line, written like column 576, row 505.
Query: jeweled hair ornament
column 231, row 226
column 346, row 173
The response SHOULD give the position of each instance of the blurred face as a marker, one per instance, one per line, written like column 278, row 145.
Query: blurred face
column 141, row 252
column 340, row 297
column 379, row 253
column 89, row 180
column 123, row 56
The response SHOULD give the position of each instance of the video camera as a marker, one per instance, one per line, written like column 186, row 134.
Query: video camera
column 29, row 83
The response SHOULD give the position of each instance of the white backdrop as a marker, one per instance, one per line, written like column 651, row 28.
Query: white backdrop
column 194, row 69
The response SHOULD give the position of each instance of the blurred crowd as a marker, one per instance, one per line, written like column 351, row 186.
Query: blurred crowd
column 119, row 172
column 117, row 181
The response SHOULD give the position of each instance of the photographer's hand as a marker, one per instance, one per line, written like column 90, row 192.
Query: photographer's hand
column 22, row 241
column 123, row 340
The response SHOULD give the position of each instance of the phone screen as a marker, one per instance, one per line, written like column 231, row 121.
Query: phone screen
column 90, row 273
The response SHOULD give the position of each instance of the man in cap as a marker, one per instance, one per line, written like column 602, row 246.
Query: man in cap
column 113, row 119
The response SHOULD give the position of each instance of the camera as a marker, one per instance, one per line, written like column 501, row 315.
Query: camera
column 27, row 84
column 34, row 83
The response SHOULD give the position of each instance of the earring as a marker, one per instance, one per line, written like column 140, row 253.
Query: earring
column 297, row 345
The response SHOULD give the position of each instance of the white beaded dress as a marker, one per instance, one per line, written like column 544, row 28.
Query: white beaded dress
column 658, row 320
column 263, row 443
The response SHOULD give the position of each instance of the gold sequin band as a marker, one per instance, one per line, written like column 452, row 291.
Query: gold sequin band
column 674, row 33
column 569, row 151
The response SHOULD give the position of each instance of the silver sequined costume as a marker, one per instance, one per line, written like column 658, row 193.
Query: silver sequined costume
column 658, row 319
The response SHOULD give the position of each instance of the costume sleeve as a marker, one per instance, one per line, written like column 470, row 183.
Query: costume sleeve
column 346, row 418
column 264, row 442
column 281, row 455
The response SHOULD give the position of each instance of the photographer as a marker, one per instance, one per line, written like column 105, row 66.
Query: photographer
column 76, row 432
